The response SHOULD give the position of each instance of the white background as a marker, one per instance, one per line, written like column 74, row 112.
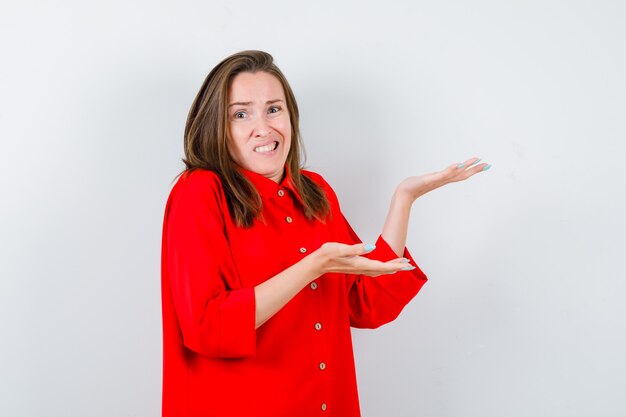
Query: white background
column 523, row 314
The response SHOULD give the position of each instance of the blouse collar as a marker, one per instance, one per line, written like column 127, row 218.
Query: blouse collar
column 268, row 187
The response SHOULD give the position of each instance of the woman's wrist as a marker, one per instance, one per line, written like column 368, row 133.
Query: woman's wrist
column 313, row 266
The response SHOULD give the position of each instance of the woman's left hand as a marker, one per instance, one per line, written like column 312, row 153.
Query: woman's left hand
column 414, row 187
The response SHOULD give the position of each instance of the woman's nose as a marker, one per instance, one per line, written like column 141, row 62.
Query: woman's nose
column 261, row 127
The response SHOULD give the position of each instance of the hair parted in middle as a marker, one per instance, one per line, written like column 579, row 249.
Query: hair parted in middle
column 207, row 135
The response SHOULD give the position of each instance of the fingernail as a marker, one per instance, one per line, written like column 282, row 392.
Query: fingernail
column 405, row 260
column 460, row 165
column 486, row 167
column 477, row 161
column 369, row 247
column 408, row 268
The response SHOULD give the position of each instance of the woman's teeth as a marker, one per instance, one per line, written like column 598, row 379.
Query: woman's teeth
column 266, row 148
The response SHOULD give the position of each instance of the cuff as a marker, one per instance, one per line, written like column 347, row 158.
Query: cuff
column 403, row 285
column 237, row 324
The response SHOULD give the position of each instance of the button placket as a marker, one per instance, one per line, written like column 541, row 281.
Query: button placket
column 321, row 366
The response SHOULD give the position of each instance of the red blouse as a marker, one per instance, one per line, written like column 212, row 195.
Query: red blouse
column 300, row 362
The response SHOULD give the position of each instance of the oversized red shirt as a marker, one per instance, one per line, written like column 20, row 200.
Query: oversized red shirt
column 300, row 362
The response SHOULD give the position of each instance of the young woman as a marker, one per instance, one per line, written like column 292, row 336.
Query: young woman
column 262, row 276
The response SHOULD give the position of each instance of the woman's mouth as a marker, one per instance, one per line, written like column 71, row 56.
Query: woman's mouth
column 266, row 148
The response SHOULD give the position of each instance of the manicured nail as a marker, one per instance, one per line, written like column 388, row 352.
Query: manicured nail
column 477, row 161
column 486, row 167
column 408, row 268
column 404, row 260
column 369, row 247
column 460, row 166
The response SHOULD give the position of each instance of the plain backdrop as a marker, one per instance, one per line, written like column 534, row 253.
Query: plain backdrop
column 523, row 314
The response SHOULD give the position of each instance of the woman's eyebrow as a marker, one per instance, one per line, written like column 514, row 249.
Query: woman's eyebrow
column 240, row 103
column 247, row 103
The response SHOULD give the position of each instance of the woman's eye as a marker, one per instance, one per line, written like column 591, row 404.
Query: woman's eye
column 239, row 115
column 274, row 109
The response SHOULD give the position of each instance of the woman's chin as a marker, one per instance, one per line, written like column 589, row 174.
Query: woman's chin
column 275, row 173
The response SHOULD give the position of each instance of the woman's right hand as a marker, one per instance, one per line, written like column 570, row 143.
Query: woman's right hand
column 274, row 293
column 343, row 258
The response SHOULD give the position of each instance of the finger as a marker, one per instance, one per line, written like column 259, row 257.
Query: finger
column 344, row 250
column 391, row 269
column 461, row 171
column 371, row 267
column 402, row 263
column 396, row 262
column 468, row 163
column 467, row 173
column 400, row 260
column 475, row 170
column 363, row 248
column 469, row 168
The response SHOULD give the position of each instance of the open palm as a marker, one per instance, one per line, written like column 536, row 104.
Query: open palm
column 422, row 184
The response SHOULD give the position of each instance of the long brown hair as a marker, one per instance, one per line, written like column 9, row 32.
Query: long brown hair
column 207, row 135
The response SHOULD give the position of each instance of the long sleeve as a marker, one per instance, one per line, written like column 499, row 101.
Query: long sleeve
column 374, row 301
column 214, row 312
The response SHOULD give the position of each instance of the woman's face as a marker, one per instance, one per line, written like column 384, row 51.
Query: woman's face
column 258, row 120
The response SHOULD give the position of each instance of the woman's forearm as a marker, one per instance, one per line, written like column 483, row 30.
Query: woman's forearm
column 397, row 221
column 273, row 294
